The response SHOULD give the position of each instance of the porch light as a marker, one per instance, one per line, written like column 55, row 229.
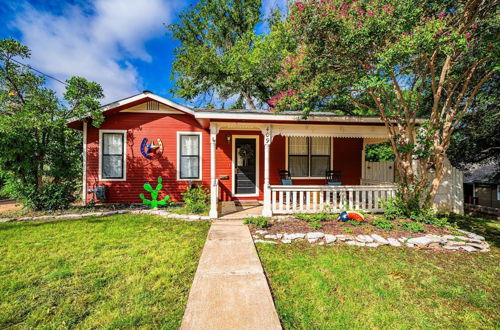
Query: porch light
column 228, row 139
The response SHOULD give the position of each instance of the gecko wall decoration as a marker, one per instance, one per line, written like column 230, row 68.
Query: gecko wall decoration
column 148, row 149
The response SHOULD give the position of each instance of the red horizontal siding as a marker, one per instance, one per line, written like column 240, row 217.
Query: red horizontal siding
column 140, row 169
column 346, row 158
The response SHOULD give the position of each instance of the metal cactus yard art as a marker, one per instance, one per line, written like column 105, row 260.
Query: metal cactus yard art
column 154, row 202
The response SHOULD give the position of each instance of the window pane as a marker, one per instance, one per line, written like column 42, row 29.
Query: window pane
column 319, row 165
column 298, row 165
column 112, row 143
column 112, row 166
column 189, row 145
column 189, row 167
column 297, row 145
column 320, row 146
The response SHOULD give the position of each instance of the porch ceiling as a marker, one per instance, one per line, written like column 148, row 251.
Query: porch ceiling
column 373, row 133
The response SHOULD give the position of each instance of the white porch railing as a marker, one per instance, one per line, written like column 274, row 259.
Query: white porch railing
column 310, row 199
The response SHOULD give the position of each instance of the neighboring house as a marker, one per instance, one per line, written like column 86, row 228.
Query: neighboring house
column 481, row 187
column 237, row 155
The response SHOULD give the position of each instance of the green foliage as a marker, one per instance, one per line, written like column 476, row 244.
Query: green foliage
column 196, row 199
column 220, row 53
column 314, row 219
column 394, row 208
column 381, row 152
column 348, row 230
column 354, row 223
column 383, row 224
column 415, row 227
column 397, row 60
column 260, row 221
column 154, row 202
column 38, row 152
column 430, row 217
column 477, row 138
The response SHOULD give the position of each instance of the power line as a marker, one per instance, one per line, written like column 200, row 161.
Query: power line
column 40, row 72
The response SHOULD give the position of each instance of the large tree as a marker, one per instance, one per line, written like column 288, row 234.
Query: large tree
column 221, row 54
column 399, row 60
column 40, row 156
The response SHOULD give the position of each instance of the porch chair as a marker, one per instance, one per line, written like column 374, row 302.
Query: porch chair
column 333, row 178
column 285, row 177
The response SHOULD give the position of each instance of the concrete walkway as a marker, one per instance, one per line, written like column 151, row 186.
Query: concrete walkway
column 230, row 290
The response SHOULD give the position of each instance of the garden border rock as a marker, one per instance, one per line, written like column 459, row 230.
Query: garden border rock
column 70, row 216
column 470, row 242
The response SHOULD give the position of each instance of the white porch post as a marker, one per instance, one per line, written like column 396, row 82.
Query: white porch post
column 214, row 194
column 267, row 211
column 84, row 166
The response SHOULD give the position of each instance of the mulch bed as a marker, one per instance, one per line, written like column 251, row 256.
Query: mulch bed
column 334, row 227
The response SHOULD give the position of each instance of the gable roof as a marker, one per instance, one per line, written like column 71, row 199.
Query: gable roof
column 225, row 114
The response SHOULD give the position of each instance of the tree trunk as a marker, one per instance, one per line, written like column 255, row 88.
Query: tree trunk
column 248, row 100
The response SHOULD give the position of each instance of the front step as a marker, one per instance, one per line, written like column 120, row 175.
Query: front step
column 247, row 203
column 232, row 207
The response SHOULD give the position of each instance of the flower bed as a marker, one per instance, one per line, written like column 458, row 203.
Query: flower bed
column 365, row 233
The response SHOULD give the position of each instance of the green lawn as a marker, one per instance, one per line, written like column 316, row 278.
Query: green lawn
column 115, row 272
column 318, row 287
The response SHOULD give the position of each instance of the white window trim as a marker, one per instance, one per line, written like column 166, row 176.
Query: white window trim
column 308, row 177
column 498, row 192
column 257, row 164
column 200, row 150
column 124, row 132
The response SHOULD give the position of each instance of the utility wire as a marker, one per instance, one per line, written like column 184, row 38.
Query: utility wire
column 40, row 72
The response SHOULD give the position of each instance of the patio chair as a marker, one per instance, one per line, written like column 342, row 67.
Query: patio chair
column 285, row 177
column 333, row 178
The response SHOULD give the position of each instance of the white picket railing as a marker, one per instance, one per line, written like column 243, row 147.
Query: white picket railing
column 311, row 199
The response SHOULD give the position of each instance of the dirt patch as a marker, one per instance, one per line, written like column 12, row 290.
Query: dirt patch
column 9, row 206
column 335, row 227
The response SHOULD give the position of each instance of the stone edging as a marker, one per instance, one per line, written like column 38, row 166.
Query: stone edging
column 166, row 214
column 470, row 243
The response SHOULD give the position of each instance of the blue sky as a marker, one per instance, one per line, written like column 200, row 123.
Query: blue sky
column 122, row 44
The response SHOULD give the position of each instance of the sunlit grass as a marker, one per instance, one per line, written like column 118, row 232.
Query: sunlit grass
column 344, row 287
column 120, row 271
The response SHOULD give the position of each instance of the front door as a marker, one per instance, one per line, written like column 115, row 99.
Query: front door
column 245, row 166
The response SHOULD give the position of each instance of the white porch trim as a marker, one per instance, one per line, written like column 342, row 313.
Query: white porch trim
column 214, row 184
column 84, row 165
column 267, row 209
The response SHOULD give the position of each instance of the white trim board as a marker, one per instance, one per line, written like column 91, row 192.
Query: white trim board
column 178, row 155
column 257, row 164
column 125, row 145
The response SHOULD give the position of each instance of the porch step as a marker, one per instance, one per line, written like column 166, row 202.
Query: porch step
column 247, row 203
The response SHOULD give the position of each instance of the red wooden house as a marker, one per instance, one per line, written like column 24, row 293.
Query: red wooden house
column 237, row 155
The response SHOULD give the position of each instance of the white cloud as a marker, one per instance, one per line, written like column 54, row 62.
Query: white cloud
column 97, row 46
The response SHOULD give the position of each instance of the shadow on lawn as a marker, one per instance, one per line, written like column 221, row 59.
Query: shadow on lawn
column 488, row 228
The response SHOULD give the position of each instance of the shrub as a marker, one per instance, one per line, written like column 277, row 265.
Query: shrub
column 415, row 227
column 196, row 199
column 260, row 221
column 383, row 224
column 393, row 208
column 51, row 197
column 429, row 217
column 314, row 220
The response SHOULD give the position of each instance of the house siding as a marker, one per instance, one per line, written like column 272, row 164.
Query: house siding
column 346, row 158
column 139, row 169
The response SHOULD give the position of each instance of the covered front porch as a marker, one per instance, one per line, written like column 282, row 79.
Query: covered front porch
column 307, row 151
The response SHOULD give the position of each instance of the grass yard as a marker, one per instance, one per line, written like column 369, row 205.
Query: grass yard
column 319, row 287
column 115, row 272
